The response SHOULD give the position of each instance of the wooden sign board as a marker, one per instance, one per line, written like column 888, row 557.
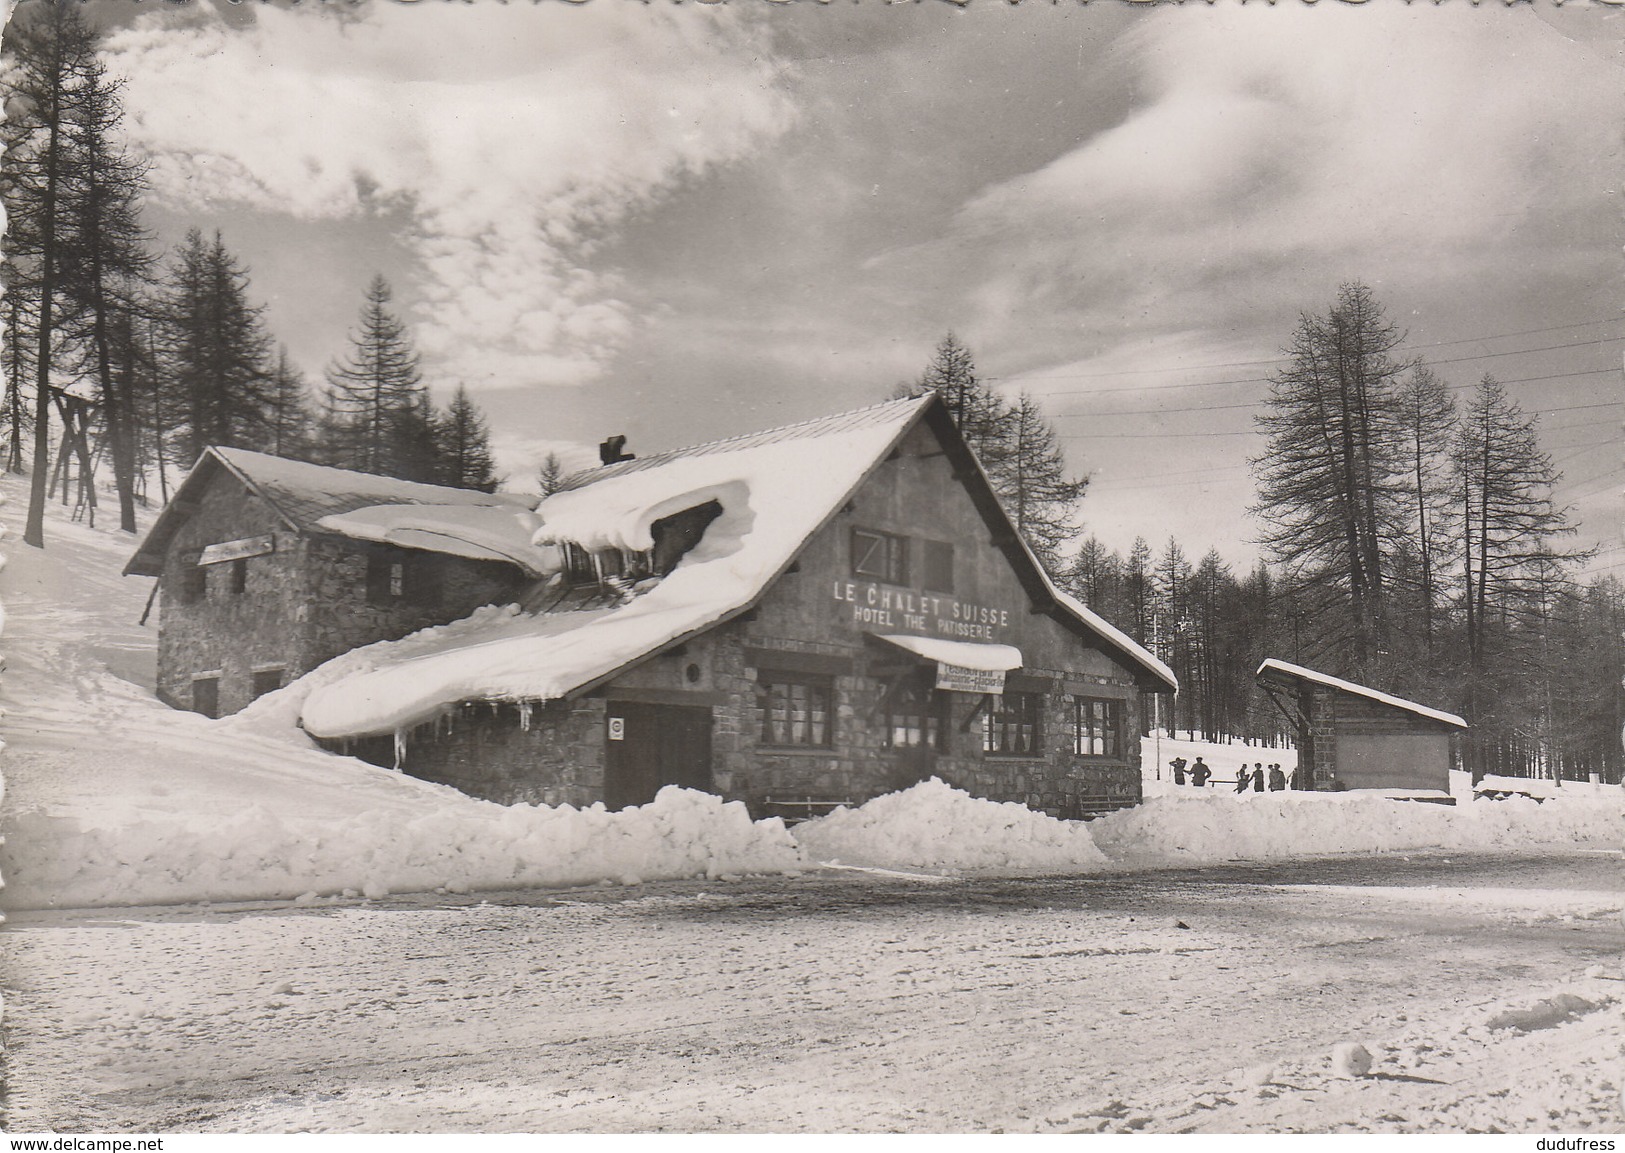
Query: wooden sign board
column 238, row 549
column 958, row 679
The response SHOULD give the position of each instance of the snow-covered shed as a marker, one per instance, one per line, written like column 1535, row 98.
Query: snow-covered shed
column 269, row 567
column 1351, row 736
column 796, row 618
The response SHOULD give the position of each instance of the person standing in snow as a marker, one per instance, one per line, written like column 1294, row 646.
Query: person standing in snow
column 1277, row 778
column 1178, row 765
column 1297, row 777
column 1242, row 777
column 1258, row 777
column 1200, row 773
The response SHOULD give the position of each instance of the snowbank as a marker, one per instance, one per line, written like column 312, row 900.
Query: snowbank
column 1211, row 825
column 186, row 857
column 934, row 826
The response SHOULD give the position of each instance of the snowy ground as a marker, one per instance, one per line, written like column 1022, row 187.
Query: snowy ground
column 856, row 974
column 1486, row 992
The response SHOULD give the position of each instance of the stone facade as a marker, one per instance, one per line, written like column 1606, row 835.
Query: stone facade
column 241, row 627
column 820, row 624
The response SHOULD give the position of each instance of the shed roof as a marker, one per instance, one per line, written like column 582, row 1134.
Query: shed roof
column 300, row 494
column 777, row 488
column 1273, row 669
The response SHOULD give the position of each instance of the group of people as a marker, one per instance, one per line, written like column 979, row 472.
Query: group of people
column 1200, row 773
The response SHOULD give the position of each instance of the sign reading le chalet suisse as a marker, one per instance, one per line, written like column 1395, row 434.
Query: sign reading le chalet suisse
column 943, row 616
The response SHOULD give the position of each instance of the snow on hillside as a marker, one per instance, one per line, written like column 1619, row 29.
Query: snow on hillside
column 114, row 799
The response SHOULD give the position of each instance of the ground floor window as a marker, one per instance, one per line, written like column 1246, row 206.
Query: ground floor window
column 916, row 717
column 206, row 696
column 1011, row 727
column 266, row 681
column 1097, row 727
column 797, row 710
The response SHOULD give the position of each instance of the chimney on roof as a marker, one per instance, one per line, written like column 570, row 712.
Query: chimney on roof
column 611, row 451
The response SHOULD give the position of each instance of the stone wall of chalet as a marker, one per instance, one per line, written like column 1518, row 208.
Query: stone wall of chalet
column 225, row 634
column 548, row 754
column 300, row 605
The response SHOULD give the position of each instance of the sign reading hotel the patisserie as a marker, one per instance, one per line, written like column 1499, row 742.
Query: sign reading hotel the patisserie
column 959, row 679
column 877, row 605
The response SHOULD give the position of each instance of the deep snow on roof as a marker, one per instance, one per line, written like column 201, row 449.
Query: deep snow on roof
column 305, row 493
column 503, row 532
column 775, row 492
column 1298, row 672
column 775, row 488
column 875, row 416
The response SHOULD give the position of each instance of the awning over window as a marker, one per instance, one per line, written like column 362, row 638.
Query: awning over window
column 962, row 666
column 965, row 654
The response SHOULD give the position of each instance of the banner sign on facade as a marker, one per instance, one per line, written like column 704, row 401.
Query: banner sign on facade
column 958, row 679
column 238, row 549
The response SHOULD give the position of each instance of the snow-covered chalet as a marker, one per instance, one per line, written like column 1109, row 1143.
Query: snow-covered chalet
column 798, row 618
column 269, row 567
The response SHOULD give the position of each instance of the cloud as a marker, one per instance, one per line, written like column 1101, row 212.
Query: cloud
column 1279, row 151
column 517, row 138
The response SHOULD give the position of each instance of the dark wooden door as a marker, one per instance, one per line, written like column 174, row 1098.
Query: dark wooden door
column 650, row 746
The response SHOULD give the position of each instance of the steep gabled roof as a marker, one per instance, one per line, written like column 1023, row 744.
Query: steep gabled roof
column 299, row 494
column 777, row 489
column 1281, row 671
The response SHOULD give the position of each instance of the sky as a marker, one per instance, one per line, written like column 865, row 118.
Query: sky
column 681, row 221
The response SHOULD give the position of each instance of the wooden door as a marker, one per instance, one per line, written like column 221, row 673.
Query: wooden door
column 650, row 746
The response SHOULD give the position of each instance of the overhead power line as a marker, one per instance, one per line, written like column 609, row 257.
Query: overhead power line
column 1266, row 380
column 1620, row 404
column 1286, row 359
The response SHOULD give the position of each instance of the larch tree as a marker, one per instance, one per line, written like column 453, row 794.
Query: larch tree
column 1426, row 411
column 19, row 359
column 105, row 262
column 1095, row 577
column 1327, row 492
column 381, row 418
column 1171, row 582
column 1016, row 446
column 1033, row 483
column 48, row 48
column 1510, row 565
column 216, row 352
column 287, row 409
column 463, row 445
column 1139, row 590
column 550, row 474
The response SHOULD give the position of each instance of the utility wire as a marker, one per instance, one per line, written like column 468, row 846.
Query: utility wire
column 1284, row 359
column 1266, row 380
column 1620, row 404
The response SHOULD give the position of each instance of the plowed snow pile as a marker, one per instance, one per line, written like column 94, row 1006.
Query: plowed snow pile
column 933, row 826
column 1206, row 825
column 256, row 854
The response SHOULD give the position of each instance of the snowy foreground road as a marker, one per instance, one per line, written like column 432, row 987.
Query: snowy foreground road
column 1487, row 991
